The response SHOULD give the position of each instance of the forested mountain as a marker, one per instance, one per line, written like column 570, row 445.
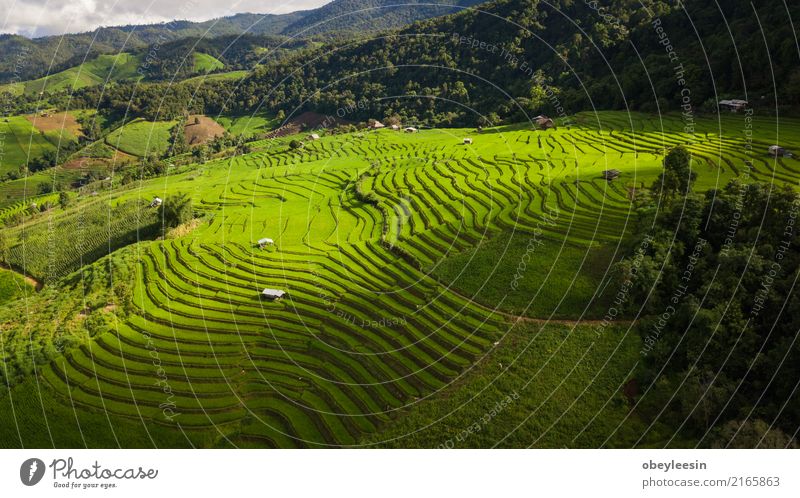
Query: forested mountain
column 173, row 60
column 352, row 16
column 559, row 56
column 506, row 61
column 22, row 58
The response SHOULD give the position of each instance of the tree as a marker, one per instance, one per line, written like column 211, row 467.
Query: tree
column 177, row 139
column 63, row 199
column 394, row 119
column 200, row 154
column 751, row 434
column 176, row 210
column 677, row 177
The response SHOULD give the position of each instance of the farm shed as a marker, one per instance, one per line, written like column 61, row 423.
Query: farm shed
column 156, row 202
column 733, row 105
column 266, row 241
column 777, row 151
column 543, row 122
column 273, row 293
column 467, row 141
column 610, row 174
column 411, row 129
column 313, row 136
column 394, row 127
column 376, row 125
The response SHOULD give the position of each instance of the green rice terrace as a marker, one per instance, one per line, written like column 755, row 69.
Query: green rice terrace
column 399, row 254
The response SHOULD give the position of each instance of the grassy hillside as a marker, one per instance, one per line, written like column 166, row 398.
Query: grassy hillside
column 142, row 138
column 374, row 233
column 247, row 124
column 204, row 63
column 97, row 71
column 19, row 142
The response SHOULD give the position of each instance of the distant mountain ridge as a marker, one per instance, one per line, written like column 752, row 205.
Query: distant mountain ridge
column 23, row 58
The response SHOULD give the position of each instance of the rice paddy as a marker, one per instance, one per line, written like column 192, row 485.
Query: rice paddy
column 370, row 232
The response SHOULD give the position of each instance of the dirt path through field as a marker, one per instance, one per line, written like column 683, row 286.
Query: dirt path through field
column 32, row 281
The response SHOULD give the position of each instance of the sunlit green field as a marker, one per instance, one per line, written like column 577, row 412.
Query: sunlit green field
column 246, row 125
column 384, row 241
column 19, row 142
column 142, row 138
column 204, row 63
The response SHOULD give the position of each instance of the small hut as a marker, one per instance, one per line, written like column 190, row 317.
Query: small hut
column 777, row 151
column 467, row 141
column 156, row 202
column 273, row 294
column 410, row 129
column 394, row 127
column 266, row 241
column 610, row 174
column 313, row 136
column 733, row 105
column 543, row 122
column 376, row 125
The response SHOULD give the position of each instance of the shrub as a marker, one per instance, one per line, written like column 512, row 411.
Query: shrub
column 176, row 210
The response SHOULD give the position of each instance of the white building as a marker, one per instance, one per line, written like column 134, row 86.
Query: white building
column 733, row 105
column 273, row 293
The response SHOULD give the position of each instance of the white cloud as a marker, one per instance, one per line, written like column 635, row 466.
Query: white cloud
column 55, row 17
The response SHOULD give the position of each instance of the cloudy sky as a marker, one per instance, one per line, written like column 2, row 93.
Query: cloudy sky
column 54, row 17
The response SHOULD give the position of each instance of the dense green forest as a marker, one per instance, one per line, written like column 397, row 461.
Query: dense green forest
column 715, row 281
column 556, row 57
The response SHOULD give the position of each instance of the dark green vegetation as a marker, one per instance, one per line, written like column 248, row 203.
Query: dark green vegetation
column 719, row 337
column 440, row 73
column 430, row 63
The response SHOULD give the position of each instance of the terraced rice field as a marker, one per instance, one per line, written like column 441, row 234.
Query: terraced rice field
column 358, row 221
column 57, row 244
